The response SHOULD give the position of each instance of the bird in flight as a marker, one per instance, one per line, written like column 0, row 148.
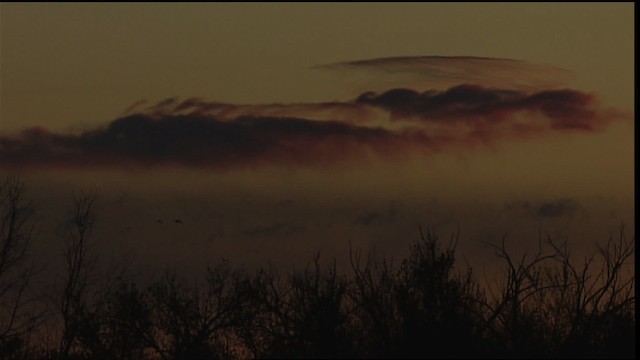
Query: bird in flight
column 160, row 221
column 177, row 221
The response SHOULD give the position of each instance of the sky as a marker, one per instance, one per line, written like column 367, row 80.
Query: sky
column 275, row 130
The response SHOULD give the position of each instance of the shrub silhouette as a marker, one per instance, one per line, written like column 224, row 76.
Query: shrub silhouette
column 300, row 316
column 438, row 311
column 197, row 322
column 118, row 327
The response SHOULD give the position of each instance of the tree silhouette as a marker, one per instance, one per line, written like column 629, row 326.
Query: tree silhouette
column 549, row 306
column 79, row 267
column 301, row 316
column 372, row 295
column 19, row 314
column 546, row 304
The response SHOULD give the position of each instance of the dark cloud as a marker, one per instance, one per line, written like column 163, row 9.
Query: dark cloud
column 550, row 209
column 475, row 105
column 378, row 217
column 566, row 109
column 558, row 208
column 369, row 218
column 140, row 140
column 277, row 229
column 202, row 134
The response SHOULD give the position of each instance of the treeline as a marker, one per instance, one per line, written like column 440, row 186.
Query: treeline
column 546, row 305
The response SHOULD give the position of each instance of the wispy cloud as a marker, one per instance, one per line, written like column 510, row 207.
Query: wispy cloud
column 194, row 107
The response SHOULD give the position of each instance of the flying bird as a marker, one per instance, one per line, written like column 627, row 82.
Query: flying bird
column 178, row 221
column 160, row 222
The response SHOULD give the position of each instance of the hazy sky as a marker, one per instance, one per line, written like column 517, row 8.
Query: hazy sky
column 272, row 130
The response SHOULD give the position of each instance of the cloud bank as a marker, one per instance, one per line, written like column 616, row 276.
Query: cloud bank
column 140, row 140
column 388, row 125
